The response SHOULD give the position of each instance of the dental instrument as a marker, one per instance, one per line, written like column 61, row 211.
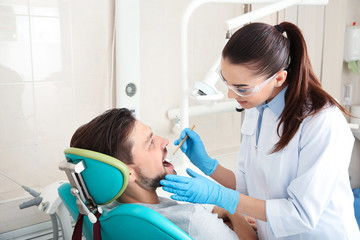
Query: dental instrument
column 181, row 143
column 29, row 190
column 169, row 160
column 48, row 201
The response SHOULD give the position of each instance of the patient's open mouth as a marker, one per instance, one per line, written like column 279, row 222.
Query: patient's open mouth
column 169, row 168
column 166, row 163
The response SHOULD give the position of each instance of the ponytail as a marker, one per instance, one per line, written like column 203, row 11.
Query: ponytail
column 304, row 96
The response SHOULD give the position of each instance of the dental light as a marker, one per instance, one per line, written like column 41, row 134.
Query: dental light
column 205, row 91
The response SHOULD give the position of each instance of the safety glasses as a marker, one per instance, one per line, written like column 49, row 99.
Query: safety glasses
column 245, row 92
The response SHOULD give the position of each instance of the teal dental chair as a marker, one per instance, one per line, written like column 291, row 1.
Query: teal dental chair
column 97, row 179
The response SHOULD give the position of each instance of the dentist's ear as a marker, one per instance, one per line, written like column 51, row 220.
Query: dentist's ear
column 280, row 78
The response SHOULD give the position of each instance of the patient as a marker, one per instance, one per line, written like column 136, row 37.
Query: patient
column 118, row 134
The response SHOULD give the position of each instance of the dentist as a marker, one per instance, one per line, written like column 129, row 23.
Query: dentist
column 296, row 145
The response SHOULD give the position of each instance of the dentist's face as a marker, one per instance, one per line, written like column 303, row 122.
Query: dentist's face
column 243, row 78
column 149, row 153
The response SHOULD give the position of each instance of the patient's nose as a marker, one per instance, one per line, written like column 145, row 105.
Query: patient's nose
column 163, row 142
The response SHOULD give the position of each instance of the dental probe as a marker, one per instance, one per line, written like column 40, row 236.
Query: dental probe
column 182, row 141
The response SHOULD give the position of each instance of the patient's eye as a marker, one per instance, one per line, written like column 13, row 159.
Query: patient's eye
column 151, row 143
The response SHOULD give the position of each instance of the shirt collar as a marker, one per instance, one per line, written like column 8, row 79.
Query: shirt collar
column 276, row 105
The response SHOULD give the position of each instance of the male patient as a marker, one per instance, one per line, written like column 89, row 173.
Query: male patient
column 118, row 134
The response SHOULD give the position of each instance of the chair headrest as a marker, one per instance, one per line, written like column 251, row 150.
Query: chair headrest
column 105, row 177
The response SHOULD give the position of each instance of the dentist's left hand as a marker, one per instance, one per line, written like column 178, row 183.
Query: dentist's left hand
column 194, row 149
column 199, row 189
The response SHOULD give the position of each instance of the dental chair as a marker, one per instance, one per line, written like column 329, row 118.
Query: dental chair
column 97, row 179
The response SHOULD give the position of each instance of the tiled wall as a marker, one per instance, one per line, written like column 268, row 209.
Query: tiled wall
column 54, row 76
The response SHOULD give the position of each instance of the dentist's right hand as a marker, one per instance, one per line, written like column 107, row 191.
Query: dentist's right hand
column 194, row 149
column 199, row 189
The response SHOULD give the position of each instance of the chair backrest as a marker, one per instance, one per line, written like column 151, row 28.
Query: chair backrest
column 101, row 180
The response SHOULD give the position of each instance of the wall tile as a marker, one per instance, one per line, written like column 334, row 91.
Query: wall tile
column 17, row 119
column 228, row 159
column 313, row 31
column 91, row 39
column 14, row 7
column 15, row 58
column 21, row 165
column 334, row 35
column 50, row 49
column 91, row 98
column 228, row 130
column 48, row 157
column 49, row 8
column 54, row 115
column 205, row 126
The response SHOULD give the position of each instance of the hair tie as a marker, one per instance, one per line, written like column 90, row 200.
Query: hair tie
column 279, row 28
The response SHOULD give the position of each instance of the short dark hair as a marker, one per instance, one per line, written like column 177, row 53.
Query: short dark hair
column 108, row 133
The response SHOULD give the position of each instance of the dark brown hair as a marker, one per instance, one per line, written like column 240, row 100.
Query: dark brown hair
column 108, row 134
column 265, row 50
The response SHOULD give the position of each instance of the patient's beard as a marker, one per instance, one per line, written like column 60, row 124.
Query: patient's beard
column 151, row 183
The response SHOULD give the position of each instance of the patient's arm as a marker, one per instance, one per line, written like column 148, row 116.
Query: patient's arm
column 237, row 223
column 252, row 222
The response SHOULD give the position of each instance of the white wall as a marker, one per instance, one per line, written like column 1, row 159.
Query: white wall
column 160, row 65
column 55, row 76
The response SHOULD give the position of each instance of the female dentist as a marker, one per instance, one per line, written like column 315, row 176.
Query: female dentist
column 296, row 145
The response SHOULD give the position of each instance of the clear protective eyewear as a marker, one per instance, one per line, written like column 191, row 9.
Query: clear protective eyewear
column 245, row 92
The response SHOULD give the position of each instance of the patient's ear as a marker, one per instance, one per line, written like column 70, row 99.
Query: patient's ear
column 132, row 175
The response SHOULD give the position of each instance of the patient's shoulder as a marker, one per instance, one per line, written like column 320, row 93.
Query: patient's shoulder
column 206, row 225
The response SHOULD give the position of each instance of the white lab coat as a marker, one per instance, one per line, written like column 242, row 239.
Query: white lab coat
column 306, row 186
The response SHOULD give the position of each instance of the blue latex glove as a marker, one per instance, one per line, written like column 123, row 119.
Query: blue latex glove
column 199, row 189
column 194, row 149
